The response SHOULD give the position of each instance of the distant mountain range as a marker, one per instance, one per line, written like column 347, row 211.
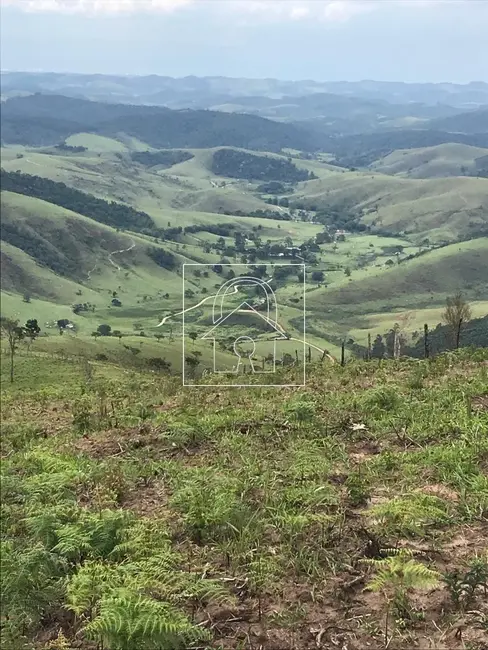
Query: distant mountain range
column 46, row 119
column 203, row 92
column 335, row 109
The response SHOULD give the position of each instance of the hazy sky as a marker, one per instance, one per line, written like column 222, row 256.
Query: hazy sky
column 404, row 40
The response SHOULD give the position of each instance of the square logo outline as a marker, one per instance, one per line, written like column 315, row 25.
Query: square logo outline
column 304, row 342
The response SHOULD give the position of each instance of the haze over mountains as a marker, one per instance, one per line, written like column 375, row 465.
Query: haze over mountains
column 203, row 92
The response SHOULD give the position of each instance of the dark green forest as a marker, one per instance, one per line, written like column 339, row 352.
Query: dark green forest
column 40, row 120
column 239, row 164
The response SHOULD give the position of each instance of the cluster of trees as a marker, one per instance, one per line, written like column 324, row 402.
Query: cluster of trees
column 163, row 158
column 163, row 258
column 80, row 307
column 240, row 164
column 283, row 202
column 110, row 213
column 68, row 148
column 263, row 214
column 272, row 187
column 340, row 218
column 220, row 229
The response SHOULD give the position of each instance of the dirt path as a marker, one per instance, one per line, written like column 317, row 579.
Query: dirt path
column 125, row 250
column 109, row 257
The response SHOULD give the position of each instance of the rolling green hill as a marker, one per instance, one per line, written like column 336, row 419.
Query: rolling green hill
column 432, row 162
column 103, row 218
column 422, row 282
column 363, row 149
column 69, row 246
column 442, row 209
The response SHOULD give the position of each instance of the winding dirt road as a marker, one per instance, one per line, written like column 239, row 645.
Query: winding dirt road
column 125, row 250
column 109, row 257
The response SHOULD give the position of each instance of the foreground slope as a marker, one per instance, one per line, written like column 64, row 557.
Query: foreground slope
column 140, row 515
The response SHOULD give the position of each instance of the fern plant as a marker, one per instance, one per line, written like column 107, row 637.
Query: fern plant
column 31, row 584
column 395, row 575
column 133, row 597
column 410, row 515
column 126, row 621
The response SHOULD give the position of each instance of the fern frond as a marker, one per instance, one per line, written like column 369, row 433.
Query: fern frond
column 127, row 621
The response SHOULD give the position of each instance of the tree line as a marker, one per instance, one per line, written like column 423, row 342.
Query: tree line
column 162, row 158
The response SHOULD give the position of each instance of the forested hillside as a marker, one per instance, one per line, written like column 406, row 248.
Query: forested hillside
column 240, row 164
column 107, row 212
column 33, row 120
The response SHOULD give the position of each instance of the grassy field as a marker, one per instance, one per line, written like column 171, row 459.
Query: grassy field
column 148, row 293
column 411, row 320
column 233, row 518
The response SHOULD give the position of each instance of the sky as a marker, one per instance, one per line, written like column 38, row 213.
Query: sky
column 324, row 40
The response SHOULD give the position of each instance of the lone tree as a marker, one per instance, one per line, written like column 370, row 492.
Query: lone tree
column 192, row 363
column 31, row 331
column 14, row 333
column 379, row 348
column 193, row 336
column 456, row 313
column 104, row 330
